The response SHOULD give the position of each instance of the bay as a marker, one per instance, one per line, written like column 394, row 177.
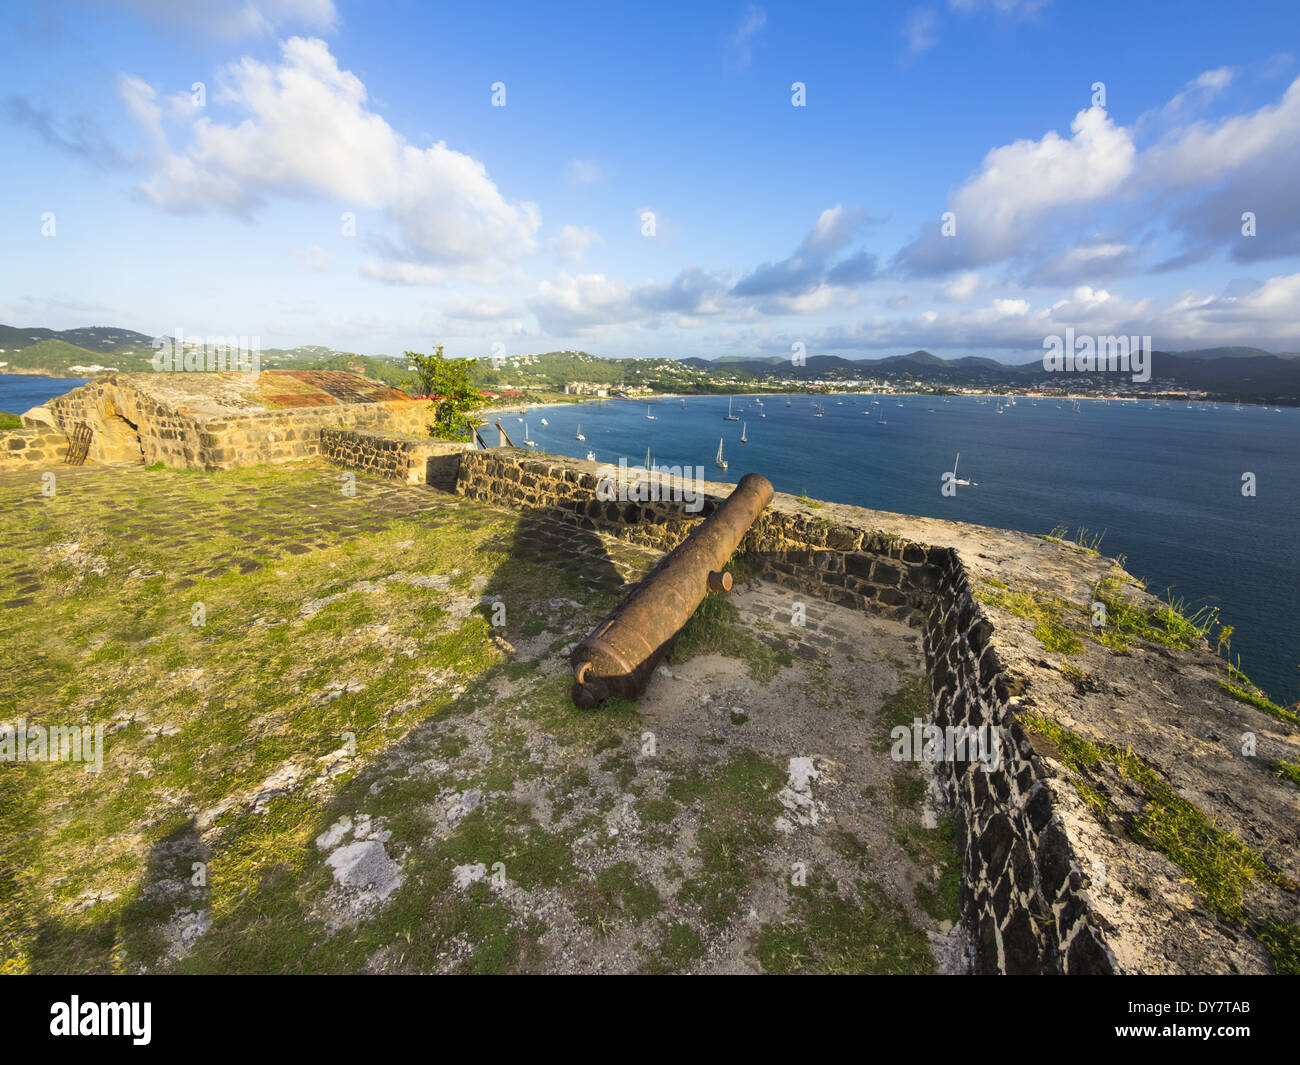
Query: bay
column 22, row 392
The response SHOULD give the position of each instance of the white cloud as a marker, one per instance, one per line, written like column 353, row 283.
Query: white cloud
column 740, row 45
column 583, row 172
column 1020, row 182
column 817, row 277
column 1203, row 87
column 458, row 308
column 1264, row 317
column 1029, row 200
column 1021, row 189
column 1203, row 152
column 572, row 242
column 577, row 303
column 963, row 288
column 1022, row 8
column 402, row 273
column 921, row 30
column 314, row 258
column 308, row 132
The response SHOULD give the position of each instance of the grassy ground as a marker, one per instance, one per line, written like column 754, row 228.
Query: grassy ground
column 322, row 755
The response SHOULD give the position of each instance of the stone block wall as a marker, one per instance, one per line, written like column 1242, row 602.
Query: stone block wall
column 31, row 447
column 1022, row 893
column 852, row 564
column 130, row 424
column 397, row 456
column 1023, row 897
column 285, row 435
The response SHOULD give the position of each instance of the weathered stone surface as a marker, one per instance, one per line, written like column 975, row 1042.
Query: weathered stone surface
column 215, row 421
column 397, row 456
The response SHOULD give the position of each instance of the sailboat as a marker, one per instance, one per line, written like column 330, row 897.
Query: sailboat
column 961, row 480
column 787, row 403
column 527, row 437
column 591, row 456
column 882, row 417
column 683, row 403
column 730, row 417
column 743, row 438
column 580, row 436
column 649, row 417
column 545, row 422
column 720, row 462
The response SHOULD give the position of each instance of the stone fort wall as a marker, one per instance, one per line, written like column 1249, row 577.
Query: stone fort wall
column 1053, row 880
column 141, row 420
column 396, row 456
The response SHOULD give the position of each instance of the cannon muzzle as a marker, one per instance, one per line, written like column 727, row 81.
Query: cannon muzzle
column 620, row 655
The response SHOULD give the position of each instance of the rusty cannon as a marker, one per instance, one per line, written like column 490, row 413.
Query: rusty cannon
column 621, row 653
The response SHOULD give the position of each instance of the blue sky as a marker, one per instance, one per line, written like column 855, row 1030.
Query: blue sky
column 523, row 227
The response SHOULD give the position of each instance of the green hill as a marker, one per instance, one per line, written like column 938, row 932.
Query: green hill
column 102, row 339
column 57, row 357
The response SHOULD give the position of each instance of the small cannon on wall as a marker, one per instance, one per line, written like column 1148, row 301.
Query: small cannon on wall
column 620, row 655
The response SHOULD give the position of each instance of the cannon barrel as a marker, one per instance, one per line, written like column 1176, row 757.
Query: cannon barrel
column 621, row 653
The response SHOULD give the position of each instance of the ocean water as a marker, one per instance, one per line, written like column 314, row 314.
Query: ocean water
column 1163, row 481
column 20, row 392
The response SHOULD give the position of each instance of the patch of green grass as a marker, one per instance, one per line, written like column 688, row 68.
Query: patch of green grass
column 1289, row 771
column 908, row 703
column 532, row 856
column 656, row 811
column 907, row 788
column 1254, row 697
column 620, row 891
column 993, row 582
column 10, row 421
column 679, row 945
column 847, row 845
column 737, row 809
column 622, row 765
column 609, row 726
column 1097, row 801
column 840, row 934
column 1057, row 638
column 1166, row 623
column 1073, row 673
column 1282, row 940
column 928, row 848
column 1090, row 542
column 715, row 628
column 807, row 502
column 1045, row 613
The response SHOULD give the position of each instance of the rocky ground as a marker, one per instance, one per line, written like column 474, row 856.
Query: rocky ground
column 338, row 739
